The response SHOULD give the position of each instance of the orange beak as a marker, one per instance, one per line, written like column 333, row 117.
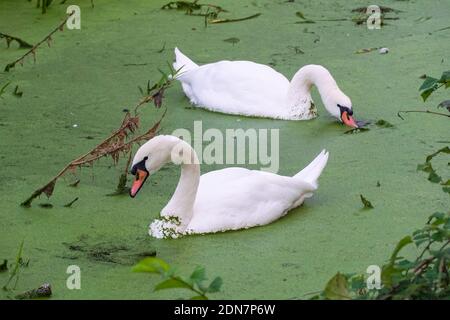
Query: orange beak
column 348, row 120
column 141, row 176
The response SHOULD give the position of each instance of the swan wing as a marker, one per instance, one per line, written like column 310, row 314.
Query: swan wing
column 237, row 87
column 236, row 198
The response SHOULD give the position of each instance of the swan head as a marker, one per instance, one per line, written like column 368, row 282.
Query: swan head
column 149, row 158
column 340, row 107
column 154, row 154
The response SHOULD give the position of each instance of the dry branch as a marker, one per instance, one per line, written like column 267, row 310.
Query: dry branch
column 32, row 51
column 113, row 146
column 9, row 39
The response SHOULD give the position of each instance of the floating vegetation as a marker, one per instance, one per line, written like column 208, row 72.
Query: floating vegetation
column 47, row 39
column 17, row 92
column 162, row 49
column 193, row 7
column 43, row 291
column 366, row 203
column 68, row 205
column 383, row 9
column 22, row 43
column 232, row 40
column 366, row 50
column 356, row 130
column 384, row 124
column 360, row 19
column 195, row 282
column 4, row 266
column 109, row 252
column 77, row 182
column 3, row 88
column 209, row 11
column 302, row 16
column 46, row 205
column 234, row 20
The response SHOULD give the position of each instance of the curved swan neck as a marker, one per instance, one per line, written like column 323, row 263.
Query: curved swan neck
column 181, row 204
column 305, row 78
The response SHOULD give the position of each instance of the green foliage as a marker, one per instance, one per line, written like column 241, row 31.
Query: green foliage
column 425, row 277
column 433, row 176
column 431, row 84
column 195, row 283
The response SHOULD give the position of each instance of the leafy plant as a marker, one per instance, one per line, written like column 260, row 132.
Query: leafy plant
column 425, row 277
column 429, row 86
column 433, row 176
column 195, row 283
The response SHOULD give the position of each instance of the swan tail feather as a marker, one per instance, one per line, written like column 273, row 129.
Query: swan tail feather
column 311, row 172
column 183, row 63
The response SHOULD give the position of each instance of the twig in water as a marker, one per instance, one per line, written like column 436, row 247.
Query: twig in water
column 421, row 111
column 71, row 203
column 234, row 20
column 32, row 51
column 9, row 39
column 113, row 146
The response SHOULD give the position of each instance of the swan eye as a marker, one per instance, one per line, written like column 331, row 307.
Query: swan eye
column 146, row 158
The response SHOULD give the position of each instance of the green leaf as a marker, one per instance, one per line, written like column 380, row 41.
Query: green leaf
column 384, row 124
column 425, row 94
column 337, row 288
column 152, row 265
column 445, row 77
column 429, row 83
column 402, row 243
column 367, row 204
column 434, row 177
column 215, row 285
column 425, row 167
column 172, row 283
column 199, row 298
column 198, row 275
column 443, row 150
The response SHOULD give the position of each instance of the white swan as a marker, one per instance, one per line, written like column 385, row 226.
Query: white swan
column 227, row 199
column 253, row 89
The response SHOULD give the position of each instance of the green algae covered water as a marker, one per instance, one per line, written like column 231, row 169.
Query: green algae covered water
column 73, row 97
